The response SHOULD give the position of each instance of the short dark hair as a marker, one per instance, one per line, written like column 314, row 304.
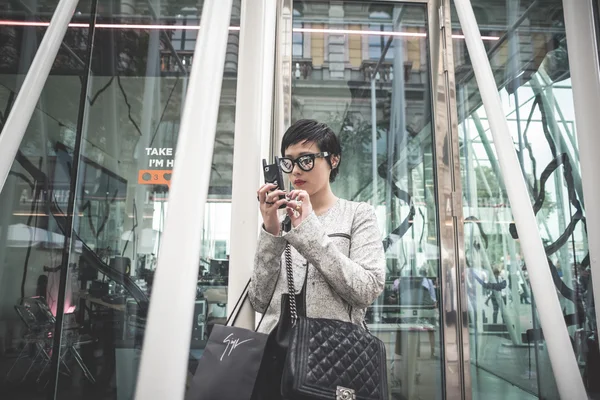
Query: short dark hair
column 309, row 130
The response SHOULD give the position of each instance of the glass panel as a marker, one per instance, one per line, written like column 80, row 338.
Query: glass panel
column 530, row 64
column 131, row 121
column 132, row 130
column 373, row 91
column 32, row 245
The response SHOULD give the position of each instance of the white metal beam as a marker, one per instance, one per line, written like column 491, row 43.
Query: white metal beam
column 585, row 78
column 22, row 110
column 282, row 107
column 253, row 116
column 163, row 367
column 562, row 358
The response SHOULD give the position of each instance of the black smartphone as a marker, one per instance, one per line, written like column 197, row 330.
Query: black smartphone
column 273, row 174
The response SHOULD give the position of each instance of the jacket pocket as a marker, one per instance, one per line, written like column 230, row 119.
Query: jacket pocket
column 341, row 235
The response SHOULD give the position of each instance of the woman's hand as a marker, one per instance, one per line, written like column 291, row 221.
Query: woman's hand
column 269, row 204
column 299, row 207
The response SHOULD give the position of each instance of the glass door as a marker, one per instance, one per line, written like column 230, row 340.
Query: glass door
column 365, row 69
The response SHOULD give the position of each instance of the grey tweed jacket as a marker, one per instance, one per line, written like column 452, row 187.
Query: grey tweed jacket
column 346, row 269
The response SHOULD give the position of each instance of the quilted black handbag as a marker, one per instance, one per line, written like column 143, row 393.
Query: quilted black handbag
column 329, row 359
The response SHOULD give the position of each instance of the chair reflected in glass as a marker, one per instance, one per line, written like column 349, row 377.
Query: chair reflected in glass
column 37, row 341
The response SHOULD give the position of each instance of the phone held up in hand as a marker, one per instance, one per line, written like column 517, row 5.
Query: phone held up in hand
column 273, row 174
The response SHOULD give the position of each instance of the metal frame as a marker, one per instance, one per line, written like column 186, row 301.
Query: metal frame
column 581, row 28
column 564, row 365
column 24, row 105
column 450, row 210
column 454, row 329
column 163, row 366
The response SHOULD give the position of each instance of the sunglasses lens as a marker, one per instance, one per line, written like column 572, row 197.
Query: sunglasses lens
column 306, row 163
column 286, row 165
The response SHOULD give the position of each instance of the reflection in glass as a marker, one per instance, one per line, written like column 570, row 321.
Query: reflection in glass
column 32, row 243
column 372, row 89
column 137, row 85
column 530, row 63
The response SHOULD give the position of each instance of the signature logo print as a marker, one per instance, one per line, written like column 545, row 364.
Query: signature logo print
column 232, row 344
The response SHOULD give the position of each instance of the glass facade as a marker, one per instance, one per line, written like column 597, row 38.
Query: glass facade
column 82, row 212
column 111, row 155
column 527, row 49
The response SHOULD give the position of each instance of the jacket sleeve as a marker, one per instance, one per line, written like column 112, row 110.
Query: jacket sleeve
column 267, row 264
column 358, row 279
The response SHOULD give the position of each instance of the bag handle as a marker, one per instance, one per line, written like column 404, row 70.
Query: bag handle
column 238, row 306
column 241, row 300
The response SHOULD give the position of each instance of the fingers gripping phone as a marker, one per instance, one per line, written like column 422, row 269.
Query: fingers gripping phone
column 273, row 174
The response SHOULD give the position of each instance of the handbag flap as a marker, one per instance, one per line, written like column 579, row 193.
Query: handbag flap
column 326, row 355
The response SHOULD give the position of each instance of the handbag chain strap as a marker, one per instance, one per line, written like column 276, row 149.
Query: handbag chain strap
column 291, row 288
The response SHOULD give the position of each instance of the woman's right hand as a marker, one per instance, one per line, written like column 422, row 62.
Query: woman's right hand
column 269, row 204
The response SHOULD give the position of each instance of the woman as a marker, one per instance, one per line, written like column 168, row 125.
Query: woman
column 339, row 239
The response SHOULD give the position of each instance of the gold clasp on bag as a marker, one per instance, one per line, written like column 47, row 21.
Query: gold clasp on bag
column 343, row 393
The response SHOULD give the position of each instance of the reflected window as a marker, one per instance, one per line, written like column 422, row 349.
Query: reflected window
column 297, row 37
column 298, row 41
column 185, row 39
column 377, row 42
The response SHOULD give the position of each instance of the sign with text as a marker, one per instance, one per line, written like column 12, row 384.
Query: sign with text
column 160, row 166
column 161, row 157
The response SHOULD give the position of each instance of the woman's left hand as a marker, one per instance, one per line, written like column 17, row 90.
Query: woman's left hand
column 299, row 207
